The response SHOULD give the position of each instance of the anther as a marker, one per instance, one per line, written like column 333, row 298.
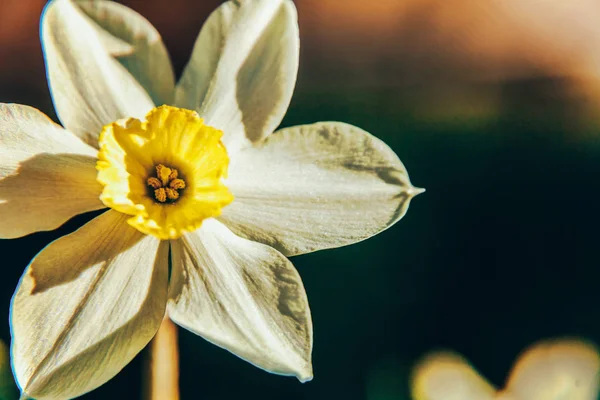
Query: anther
column 154, row 182
column 166, row 184
column 172, row 194
column 160, row 195
column 177, row 184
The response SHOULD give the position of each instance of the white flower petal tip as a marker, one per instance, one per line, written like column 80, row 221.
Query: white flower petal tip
column 305, row 376
column 243, row 296
column 414, row 191
column 314, row 187
column 243, row 69
column 304, row 373
column 136, row 44
column 90, row 87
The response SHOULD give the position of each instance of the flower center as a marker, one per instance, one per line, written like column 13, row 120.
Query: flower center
column 172, row 159
column 166, row 185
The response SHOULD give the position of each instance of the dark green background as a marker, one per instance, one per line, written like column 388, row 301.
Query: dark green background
column 500, row 252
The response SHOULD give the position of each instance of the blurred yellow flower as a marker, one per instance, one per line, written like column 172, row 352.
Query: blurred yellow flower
column 203, row 185
column 552, row 370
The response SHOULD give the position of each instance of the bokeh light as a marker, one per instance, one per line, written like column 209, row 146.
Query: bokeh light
column 551, row 370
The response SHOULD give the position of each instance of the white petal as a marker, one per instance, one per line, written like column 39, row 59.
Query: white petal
column 243, row 296
column 136, row 44
column 243, row 69
column 447, row 376
column 90, row 88
column 47, row 175
column 316, row 186
column 556, row 371
column 87, row 304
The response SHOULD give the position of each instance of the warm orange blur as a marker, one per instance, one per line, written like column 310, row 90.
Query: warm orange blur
column 21, row 66
column 417, row 40
column 379, row 43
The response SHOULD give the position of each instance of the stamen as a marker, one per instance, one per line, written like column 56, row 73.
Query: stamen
column 160, row 195
column 166, row 184
column 172, row 194
column 177, row 183
column 163, row 174
column 154, row 182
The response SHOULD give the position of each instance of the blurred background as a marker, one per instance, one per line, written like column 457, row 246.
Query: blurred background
column 493, row 106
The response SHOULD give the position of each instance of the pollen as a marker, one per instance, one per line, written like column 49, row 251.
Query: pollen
column 166, row 184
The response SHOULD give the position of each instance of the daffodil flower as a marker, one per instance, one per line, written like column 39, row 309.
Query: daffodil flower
column 191, row 176
column 550, row 370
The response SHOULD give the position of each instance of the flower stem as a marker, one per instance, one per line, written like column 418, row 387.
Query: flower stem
column 161, row 375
